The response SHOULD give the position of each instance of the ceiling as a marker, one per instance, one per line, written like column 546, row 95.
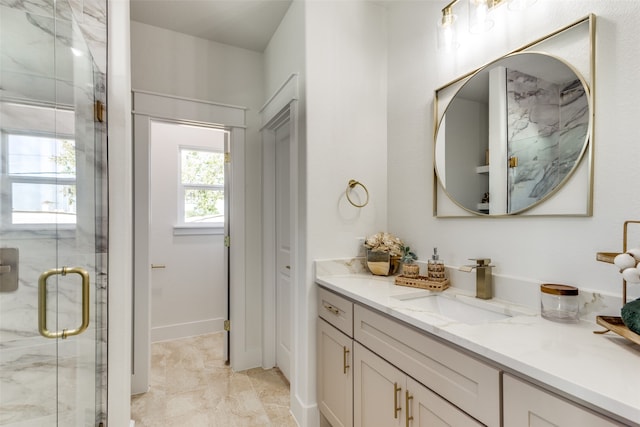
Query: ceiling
column 247, row 24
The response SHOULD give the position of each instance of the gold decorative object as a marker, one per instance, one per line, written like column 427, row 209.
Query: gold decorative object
column 382, row 263
column 422, row 282
column 350, row 186
column 615, row 323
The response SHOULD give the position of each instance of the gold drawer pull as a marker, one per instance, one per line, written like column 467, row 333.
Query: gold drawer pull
column 396, row 393
column 345, row 356
column 408, row 398
column 331, row 309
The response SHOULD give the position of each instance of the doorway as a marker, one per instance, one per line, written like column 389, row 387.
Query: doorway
column 282, row 238
column 188, row 223
column 182, row 229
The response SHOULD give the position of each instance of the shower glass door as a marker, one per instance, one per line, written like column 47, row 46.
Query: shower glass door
column 53, row 213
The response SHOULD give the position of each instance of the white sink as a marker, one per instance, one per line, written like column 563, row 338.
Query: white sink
column 460, row 308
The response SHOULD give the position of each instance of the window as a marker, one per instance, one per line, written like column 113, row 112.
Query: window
column 39, row 177
column 202, row 187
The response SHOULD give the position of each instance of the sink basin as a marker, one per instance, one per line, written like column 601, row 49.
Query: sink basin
column 459, row 308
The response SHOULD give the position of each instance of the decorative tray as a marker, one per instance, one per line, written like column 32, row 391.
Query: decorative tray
column 422, row 282
column 615, row 324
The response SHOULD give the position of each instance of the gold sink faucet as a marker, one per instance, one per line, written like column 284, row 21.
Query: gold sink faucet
column 484, row 286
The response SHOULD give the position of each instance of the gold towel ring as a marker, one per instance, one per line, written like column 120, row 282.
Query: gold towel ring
column 352, row 184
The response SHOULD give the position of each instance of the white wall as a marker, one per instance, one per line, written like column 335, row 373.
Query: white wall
column 172, row 63
column 346, row 137
column 285, row 55
column 339, row 49
column 540, row 249
column 120, row 232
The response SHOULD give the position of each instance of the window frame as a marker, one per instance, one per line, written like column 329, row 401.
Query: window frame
column 7, row 180
column 190, row 228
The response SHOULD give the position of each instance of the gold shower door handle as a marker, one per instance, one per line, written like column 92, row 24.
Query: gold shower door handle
column 42, row 302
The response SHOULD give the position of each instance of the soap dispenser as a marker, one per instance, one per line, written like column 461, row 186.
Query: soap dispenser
column 435, row 268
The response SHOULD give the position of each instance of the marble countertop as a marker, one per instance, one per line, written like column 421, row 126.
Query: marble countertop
column 600, row 370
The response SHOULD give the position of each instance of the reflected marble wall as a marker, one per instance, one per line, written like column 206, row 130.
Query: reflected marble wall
column 39, row 68
column 547, row 127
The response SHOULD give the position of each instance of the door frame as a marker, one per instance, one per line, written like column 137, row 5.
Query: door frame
column 282, row 105
column 149, row 106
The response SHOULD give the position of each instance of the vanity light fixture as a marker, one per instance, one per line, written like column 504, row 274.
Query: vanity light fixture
column 480, row 19
column 447, row 37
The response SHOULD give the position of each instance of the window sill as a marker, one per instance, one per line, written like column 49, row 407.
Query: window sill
column 198, row 230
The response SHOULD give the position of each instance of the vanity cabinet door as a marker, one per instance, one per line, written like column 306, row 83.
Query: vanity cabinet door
column 335, row 375
column 378, row 391
column 528, row 406
column 427, row 409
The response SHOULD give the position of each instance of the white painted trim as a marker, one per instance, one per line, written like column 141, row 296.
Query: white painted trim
column 305, row 415
column 120, row 208
column 183, row 110
column 268, row 248
column 186, row 230
column 141, row 278
column 182, row 98
column 286, row 93
column 175, row 108
column 284, row 103
column 181, row 330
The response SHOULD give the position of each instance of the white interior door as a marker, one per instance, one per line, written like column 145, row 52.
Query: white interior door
column 283, row 251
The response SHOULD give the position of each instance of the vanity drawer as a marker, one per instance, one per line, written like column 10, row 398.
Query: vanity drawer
column 336, row 310
column 525, row 405
column 468, row 383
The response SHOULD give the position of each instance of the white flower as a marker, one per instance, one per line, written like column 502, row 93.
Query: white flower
column 384, row 242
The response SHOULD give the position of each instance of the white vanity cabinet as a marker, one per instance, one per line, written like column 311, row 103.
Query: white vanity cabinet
column 471, row 385
column 384, row 396
column 526, row 405
column 375, row 368
column 335, row 356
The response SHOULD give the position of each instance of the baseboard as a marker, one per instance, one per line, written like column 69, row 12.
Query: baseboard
column 184, row 330
column 305, row 415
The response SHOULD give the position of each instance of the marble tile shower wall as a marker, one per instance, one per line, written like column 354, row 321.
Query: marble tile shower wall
column 547, row 126
column 43, row 382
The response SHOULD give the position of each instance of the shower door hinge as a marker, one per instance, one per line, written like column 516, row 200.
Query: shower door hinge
column 227, row 241
column 227, row 325
column 227, row 157
column 98, row 111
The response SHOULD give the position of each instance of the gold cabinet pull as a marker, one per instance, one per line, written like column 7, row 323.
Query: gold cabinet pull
column 331, row 308
column 42, row 302
column 396, row 393
column 345, row 357
column 407, row 403
column 158, row 266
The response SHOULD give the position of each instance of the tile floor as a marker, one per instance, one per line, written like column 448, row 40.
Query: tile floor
column 191, row 386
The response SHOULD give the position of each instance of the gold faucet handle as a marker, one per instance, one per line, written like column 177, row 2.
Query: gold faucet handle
column 482, row 262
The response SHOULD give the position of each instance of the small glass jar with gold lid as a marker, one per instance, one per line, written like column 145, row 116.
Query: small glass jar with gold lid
column 559, row 303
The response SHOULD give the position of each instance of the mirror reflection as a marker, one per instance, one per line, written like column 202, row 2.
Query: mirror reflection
column 513, row 134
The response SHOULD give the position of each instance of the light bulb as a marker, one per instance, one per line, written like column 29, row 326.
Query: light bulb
column 479, row 20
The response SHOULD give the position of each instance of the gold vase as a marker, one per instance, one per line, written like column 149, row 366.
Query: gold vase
column 381, row 263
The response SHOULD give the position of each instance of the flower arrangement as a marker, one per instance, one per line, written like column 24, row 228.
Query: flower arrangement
column 385, row 242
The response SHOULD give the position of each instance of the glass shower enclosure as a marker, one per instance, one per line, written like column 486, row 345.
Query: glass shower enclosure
column 53, row 213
